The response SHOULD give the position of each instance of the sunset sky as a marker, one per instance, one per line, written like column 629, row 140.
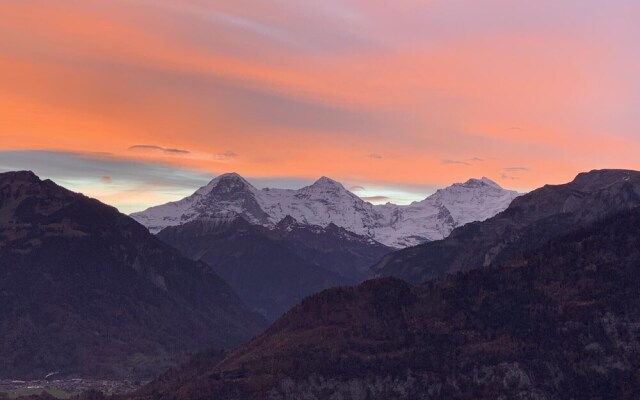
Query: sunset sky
column 139, row 102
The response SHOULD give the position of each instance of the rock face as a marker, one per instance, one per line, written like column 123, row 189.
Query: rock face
column 528, row 222
column 86, row 290
column 327, row 202
column 273, row 269
column 559, row 322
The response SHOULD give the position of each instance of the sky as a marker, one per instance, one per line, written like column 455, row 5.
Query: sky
column 139, row 102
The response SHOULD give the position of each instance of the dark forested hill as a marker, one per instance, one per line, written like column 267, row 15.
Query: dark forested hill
column 559, row 322
column 87, row 290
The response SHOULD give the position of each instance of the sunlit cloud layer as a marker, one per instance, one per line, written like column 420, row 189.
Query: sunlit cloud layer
column 134, row 185
column 399, row 98
column 128, row 185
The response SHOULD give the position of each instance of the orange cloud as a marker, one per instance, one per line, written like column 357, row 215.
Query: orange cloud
column 310, row 89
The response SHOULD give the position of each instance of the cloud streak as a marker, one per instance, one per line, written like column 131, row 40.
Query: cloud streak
column 455, row 162
column 154, row 148
column 376, row 199
column 226, row 156
column 508, row 172
column 468, row 161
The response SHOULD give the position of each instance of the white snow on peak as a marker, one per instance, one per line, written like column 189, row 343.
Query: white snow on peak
column 484, row 181
column 436, row 216
column 326, row 183
column 327, row 201
column 228, row 180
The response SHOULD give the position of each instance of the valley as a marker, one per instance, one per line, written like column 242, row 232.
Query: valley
column 538, row 300
column 64, row 388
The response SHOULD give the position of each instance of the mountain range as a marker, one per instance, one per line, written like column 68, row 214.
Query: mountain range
column 86, row 290
column 274, row 247
column 328, row 202
column 558, row 318
column 529, row 221
column 540, row 301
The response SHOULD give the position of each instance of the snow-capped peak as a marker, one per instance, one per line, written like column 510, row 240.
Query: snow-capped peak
column 325, row 182
column 226, row 182
column 484, row 181
column 325, row 185
column 326, row 202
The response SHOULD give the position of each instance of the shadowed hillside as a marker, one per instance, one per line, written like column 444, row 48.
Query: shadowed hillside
column 562, row 321
column 87, row 290
column 273, row 269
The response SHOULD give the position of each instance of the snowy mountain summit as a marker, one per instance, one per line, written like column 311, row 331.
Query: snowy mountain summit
column 328, row 202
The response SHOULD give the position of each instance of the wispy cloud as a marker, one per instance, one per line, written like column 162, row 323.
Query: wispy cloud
column 458, row 162
column 467, row 161
column 145, row 147
column 226, row 156
column 154, row 148
column 504, row 175
column 375, row 156
column 508, row 172
column 176, row 151
column 376, row 199
column 516, row 169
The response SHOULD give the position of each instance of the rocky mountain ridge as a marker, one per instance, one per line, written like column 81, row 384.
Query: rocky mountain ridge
column 328, row 202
